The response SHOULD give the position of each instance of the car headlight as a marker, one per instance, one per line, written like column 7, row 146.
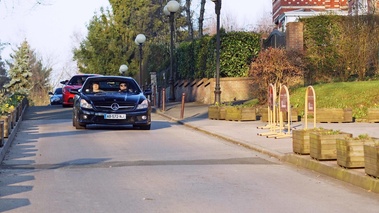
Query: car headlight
column 143, row 105
column 85, row 104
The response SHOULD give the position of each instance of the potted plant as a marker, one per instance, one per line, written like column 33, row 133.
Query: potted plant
column 300, row 140
column 350, row 152
column 371, row 156
column 373, row 115
column 323, row 144
column 217, row 112
column 328, row 115
column 240, row 113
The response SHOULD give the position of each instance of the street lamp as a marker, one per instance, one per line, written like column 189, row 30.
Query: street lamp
column 123, row 69
column 217, row 88
column 169, row 10
column 140, row 39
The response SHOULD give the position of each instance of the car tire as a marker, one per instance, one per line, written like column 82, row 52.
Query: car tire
column 78, row 125
column 73, row 119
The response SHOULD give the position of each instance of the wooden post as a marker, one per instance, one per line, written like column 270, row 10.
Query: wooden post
column 163, row 99
column 182, row 108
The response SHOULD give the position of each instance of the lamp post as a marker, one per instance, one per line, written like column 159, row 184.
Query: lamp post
column 140, row 39
column 217, row 88
column 170, row 9
column 123, row 69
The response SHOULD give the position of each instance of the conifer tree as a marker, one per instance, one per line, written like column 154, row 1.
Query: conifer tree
column 20, row 70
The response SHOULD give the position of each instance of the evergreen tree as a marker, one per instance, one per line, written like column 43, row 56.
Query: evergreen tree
column 3, row 71
column 20, row 70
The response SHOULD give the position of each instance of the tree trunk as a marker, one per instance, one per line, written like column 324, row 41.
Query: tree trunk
column 201, row 17
column 189, row 19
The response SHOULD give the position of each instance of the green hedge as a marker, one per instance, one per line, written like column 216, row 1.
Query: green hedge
column 197, row 59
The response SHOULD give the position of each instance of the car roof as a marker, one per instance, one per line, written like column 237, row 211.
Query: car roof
column 107, row 78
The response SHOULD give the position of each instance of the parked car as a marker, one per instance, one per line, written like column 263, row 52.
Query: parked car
column 74, row 83
column 111, row 104
column 56, row 97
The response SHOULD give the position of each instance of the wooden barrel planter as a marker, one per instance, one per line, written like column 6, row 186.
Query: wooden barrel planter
column 350, row 152
column 334, row 115
column 13, row 118
column 7, row 125
column 300, row 140
column 263, row 113
column 371, row 156
column 294, row 116
column 240, row 114
column 216, row 112
column 323, row 144
column 373, row 115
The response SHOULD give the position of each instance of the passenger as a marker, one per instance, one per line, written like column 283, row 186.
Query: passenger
column 96, row 87
column 123, row 87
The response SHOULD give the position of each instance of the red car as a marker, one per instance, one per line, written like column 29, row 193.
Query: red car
column 74, row 83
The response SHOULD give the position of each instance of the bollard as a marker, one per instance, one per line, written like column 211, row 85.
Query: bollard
column 182, row 108
column 153, row 95
column 2, row 133
column 163, row 99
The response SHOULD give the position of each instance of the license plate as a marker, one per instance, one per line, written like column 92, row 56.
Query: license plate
column 114, row 116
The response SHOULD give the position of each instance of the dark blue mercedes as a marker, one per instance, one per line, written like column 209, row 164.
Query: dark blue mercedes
column 111, row 100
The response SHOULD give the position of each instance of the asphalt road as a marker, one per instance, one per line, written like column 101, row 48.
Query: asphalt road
column 52, row 167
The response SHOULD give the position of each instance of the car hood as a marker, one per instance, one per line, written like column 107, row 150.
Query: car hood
column 131, row 98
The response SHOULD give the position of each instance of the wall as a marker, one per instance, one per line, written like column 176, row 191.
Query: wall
column 295, row 36
column 202, row 90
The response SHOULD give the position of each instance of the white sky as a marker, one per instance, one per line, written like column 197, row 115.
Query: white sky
column 50, row 28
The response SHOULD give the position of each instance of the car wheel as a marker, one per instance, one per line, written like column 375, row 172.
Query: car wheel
column 78, row 125
column 73, row 119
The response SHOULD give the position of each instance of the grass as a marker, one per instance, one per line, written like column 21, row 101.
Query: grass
column 358, row 96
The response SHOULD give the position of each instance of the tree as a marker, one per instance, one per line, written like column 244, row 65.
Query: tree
column 276, row 66
column 201, row 17
column 28, row 76
column 189, row 19
column 3, row 75
column 20, row 70
column 39, row 79
column 110, row 40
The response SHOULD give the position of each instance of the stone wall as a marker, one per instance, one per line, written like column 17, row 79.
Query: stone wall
column 294, row 36
column 202, row 90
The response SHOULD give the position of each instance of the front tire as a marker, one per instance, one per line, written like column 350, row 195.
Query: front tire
column 77, row 124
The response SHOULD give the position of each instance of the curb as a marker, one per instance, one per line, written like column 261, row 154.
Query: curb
column 366, row 182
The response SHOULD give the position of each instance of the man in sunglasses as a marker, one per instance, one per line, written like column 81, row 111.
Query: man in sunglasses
column 123, row 87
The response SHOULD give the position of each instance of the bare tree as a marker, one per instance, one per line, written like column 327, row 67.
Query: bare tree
column 201, row 18
column 189, row 19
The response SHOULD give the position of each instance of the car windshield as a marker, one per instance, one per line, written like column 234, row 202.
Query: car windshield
column 77, row 80
column 110, row 85
column 58, row 91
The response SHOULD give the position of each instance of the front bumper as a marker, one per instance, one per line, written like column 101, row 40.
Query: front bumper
column 142, row 117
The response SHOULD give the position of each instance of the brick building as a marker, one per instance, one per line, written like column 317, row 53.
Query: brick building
column 285, row 11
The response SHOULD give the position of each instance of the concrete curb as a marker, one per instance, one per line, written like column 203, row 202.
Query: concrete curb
column 8, row 141
column 339, row 173
column 366, row 182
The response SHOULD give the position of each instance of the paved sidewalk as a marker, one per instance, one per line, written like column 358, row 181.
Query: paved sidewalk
column 246, row 133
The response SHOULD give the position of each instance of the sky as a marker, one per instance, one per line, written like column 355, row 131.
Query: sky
column 53, row 28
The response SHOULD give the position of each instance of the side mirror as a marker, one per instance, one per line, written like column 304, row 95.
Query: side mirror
column 64, row 82
column 147, row 92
